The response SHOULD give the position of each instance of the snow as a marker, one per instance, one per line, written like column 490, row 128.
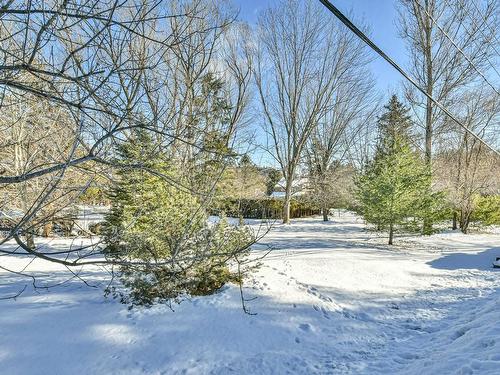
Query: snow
column 332, row 298
column 88, row 215
column 282, row 194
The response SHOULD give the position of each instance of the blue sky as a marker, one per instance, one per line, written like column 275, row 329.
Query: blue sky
column 379, row 15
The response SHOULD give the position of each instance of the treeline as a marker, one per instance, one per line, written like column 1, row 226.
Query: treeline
column 265, row 208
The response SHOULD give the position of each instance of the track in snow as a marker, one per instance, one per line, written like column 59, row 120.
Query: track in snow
column 332, row 298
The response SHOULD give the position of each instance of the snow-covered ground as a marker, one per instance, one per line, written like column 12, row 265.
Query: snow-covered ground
column 332, row 298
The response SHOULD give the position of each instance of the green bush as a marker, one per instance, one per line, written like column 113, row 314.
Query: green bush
column 160, row 236
column 204, row 273
column 487, row 210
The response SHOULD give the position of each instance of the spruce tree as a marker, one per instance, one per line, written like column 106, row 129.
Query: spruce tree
column 145, row 206
column 394, row 184
column 158, row 230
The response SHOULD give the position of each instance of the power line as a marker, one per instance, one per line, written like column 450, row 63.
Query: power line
column 484, row 22
column 457, row 47
column 337, row 13
column 480, row 30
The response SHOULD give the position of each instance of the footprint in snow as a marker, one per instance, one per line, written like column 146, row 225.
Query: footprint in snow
column 486, row 343
column 325, row 313
column 306, row 327
column 408, row 356
column 322, row 310
column 393, row 306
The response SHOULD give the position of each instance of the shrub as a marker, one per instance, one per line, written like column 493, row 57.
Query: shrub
column 487, row 210
column 97, row 228
column 160, row 236
column 204, row 272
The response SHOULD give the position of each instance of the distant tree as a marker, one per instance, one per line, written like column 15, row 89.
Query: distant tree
column 294, row 73
column 350, row 111
column 35, row 132
column 239, row 183
column 250, row 183
column 273, row 177
column 394, row 185
column 243, row 180
column 448, row 45
column 466, row 168
column 332, row 188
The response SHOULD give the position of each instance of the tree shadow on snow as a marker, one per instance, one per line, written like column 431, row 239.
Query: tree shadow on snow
column 466, row 261
column 94, row 335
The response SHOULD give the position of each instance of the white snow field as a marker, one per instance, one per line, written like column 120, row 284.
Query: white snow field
column 332, row 298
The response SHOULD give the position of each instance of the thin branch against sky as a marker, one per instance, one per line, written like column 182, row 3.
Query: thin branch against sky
column 380, row 18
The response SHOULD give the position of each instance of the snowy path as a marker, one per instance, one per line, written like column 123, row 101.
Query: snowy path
column 332, row 299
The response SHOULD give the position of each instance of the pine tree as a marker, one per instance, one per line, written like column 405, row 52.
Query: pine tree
column 273, row 177
column 148, row 214
column 394, row 184
column 164, row 226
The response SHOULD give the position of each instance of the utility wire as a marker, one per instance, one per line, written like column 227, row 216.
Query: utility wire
column 480, row 30
column 457, row 47
column 337, row 13
column 484, row 22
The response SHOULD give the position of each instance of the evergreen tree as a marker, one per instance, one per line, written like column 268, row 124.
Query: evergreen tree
column 273, row 177
column 393, row 187
column 145, row 207
column 158, row 231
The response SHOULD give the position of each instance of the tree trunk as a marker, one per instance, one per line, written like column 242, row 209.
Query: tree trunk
column 454, row 225
column 391, row 233
column 427, row 225
column 286, row 211
column 429, row 77
column 47, row 229
column 30, row 240
column 464, row 222
column 288, row 199
column 325, row 214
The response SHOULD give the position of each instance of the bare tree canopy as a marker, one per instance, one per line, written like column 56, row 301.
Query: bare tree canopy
column 79, row 78
column 351, row 111
column 448, row 47
column 302, row 54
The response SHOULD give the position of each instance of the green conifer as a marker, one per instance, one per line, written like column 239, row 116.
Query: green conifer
column 393, row 187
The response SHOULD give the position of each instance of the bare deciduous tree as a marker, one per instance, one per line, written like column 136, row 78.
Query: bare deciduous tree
column 352, row 107
column 448, row 51
column 98, row 70
column 295, row 76
column 447, row 47
column 467, row 169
